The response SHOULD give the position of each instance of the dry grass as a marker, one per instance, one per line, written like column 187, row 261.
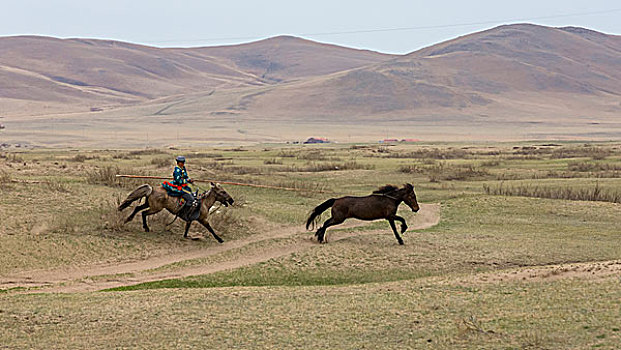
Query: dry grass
column 5, row 180
column 272, row 161
column 594, row 193
column 585, row 166
column 427, row 304
column 443, row 171
column 428, row 153
column 104, row 176
column 162, row 162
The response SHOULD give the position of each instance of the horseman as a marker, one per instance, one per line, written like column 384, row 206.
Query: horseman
column 180, row 187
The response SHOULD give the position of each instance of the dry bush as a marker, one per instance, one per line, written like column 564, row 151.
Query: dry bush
column 5, row 180
column 14, row 158
column 272, row 161
column 228, row 223
column 162, row 162
column 354, row 147
column 198, row 155
column 111, row 218
column 146, row 152
column 107, row 176
column 432, row 153
column 443, row 171
column 57, row 186
column 490, row 163
column 287, row 154
column 586, row 151
column 80, row 158
column 212, row 165
column 123, row 156
column 349, row 165
column 411, row 169
column 312, row 155
column 594, row 193
column 590, row 166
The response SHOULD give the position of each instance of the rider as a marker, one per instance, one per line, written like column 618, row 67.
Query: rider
column 180, row 187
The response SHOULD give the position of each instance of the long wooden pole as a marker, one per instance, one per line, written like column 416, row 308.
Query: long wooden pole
column 221, row 182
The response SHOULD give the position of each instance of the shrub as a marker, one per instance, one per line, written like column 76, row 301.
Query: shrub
column 104, row 176
column 162, row 162
column 272, row 161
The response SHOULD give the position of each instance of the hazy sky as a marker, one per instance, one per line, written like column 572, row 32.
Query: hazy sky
column 376, row 24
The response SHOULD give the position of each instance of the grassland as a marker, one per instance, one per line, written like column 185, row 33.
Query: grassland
column 504, row 268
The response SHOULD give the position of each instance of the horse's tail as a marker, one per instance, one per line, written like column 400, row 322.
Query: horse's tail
column 142, row 191
column 317, row 211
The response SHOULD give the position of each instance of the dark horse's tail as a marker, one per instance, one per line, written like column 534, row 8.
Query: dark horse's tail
column 317, row 211
column 142, row 191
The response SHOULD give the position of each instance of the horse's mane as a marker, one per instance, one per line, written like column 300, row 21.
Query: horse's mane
column 386, row 189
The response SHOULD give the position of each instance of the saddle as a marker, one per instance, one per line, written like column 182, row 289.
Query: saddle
column 189, row 211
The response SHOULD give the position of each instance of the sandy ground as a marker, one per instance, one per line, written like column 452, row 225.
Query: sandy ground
column 97, row 277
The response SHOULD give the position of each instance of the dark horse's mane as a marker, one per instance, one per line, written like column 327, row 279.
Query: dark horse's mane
column 386, row 189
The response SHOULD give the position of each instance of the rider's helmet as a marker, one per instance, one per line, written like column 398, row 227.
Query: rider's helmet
column 180, row 159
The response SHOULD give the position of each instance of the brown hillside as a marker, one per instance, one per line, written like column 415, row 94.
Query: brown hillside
column 65, row 75
column 510, row 82
column 480, row 71
column 285, row 58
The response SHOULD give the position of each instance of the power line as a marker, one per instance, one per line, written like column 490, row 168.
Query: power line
column 467, row 24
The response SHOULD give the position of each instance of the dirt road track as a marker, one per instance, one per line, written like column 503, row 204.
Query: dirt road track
column 97, row 277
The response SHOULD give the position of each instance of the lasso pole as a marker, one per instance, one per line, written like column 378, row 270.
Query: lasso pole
column 216, row 181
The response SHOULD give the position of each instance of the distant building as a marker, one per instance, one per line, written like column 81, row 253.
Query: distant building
column 96, row 109
column 317, row 140
column 389, row 141
column 410, row 140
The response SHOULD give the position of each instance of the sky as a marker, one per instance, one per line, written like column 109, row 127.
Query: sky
column 389, row 26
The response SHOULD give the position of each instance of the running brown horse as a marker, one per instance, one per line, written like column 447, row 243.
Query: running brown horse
column 158, row 199
column 381, row 204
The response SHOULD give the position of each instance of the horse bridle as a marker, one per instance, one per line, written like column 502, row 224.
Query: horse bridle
column 386, row 195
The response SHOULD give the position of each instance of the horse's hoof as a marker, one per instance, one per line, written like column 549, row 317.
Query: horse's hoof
column 403, row 229
column 146, row 229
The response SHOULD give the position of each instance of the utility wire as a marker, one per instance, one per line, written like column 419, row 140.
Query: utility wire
column 467, row 24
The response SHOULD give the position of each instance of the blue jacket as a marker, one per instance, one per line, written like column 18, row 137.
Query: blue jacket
column 179, row 184
column 180, row 176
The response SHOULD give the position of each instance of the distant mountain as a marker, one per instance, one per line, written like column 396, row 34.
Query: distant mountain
column 515, row 79
column 64, row 75
column 284, row 58
column 505, row 67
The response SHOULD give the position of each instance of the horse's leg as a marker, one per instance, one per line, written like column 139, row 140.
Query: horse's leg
column 322, row 230
column 208, row 227
column 144, row 218
column 404, row 226
column 136, row 210
column 187, row 228
column 394, row 229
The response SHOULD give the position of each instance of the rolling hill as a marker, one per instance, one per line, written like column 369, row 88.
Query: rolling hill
column 519, row 81
column 67, row 75
column 517, row 68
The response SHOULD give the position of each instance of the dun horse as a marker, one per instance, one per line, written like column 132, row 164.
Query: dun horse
column 381, row 204
column 158, row 199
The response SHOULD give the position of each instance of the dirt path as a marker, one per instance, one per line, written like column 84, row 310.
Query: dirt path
column 97, row 277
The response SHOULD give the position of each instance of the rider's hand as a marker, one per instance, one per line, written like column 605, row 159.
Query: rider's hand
column 191, row 181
